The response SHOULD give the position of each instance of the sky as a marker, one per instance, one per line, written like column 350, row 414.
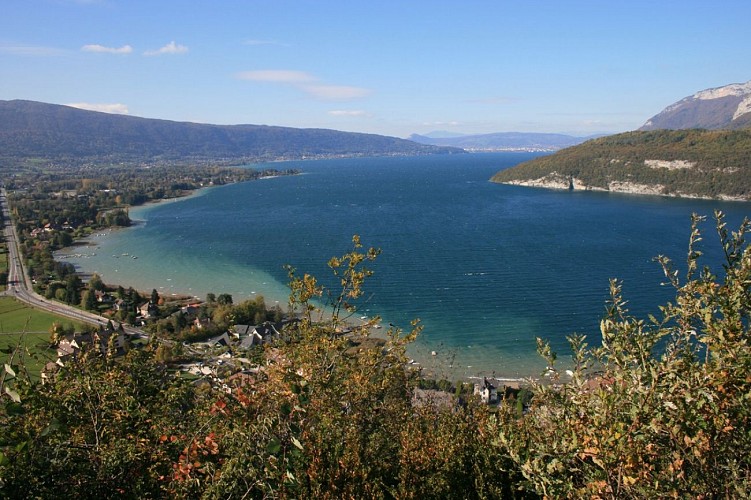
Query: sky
column 392, row 67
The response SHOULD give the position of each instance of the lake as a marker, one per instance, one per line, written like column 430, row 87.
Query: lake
column 486, row 267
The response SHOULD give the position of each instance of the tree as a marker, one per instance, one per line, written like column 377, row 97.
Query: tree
column 56, row 332
column 88, row 301
column 96, row 283
column 661, row 407
column 72, row 287
column 224, row 299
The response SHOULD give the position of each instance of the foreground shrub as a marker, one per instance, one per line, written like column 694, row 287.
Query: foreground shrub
column 661, row 407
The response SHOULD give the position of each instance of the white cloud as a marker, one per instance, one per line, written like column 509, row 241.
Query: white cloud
column 305, row 82
column 277, row 76
column 348, row 112
column 125, row 49
column 117, row 109
column 170, row 48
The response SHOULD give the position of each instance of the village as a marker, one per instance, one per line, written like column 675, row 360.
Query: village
column 228, row 360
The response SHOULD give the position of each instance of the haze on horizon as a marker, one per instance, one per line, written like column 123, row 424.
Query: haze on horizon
column 395, row 68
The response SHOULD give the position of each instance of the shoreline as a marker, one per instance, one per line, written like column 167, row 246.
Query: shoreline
column 440, row 366
column 194, row 193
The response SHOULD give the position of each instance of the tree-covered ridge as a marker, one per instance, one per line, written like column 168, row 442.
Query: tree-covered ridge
column 712, row 164
column 37, row 130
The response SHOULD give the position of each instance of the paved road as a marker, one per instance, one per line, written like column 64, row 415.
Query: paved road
column 19, row 284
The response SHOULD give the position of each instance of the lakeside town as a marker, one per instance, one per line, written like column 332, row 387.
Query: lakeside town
column 194, row 336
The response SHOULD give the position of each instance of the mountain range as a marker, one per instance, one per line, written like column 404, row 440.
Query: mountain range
column 35, row 130
column 501, row 141
column 696, row 147
column 727, row 107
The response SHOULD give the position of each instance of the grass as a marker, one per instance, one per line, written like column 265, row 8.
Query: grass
column 3, row 258
column 28, row 328
column 16, row 317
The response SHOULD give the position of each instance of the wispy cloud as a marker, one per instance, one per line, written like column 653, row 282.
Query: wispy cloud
column 348, row 112
column 31, row 50
column 125, row 49
column 277, row 76
column 170, row 48
column 305, row 82
column 117, row 109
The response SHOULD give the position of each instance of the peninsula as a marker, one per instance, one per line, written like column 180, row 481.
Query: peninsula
column 711, row 164
column 697, row 147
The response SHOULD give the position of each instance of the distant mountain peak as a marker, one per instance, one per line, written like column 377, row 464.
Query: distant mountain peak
column 727, row 107
column 734, row 89
column 502, row 141
column 441, row 134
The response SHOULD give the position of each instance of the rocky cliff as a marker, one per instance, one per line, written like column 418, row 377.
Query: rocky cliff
column 727, row 107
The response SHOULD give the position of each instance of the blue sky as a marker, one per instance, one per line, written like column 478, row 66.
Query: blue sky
column 387, row 67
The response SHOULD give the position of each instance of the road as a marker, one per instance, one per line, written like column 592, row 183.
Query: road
column 20, row 287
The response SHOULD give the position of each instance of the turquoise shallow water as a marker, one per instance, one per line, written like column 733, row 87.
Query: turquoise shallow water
column 486, row 267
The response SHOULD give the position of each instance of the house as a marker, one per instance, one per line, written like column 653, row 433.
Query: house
column 103, row 297
column 107, row 340
column 256, row 335
column 191, row 309
column 148, row 310
column 218, row 341
column 201, row 323
column 49, row 371
column 487, row 392
column 122, row 305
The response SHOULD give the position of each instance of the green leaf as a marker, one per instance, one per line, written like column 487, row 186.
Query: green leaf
column 286, row 408
column 13, row 394
column 274, row 446
column 14, row 409
column 53, row 426
column 3, row 459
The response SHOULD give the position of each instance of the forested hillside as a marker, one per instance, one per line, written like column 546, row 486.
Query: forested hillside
column 34, row 130
column 701, row 163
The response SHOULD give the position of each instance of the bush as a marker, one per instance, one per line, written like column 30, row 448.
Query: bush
column 667, row 410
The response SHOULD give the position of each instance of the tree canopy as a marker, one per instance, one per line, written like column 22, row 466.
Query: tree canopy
column 712, row 163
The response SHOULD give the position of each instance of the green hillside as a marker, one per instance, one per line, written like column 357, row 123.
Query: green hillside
column 703, row 163
column 34, row 130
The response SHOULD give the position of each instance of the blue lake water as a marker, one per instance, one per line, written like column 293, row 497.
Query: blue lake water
column 486, row 267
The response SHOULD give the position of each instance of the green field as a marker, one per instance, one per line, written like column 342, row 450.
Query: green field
column 17, row 317
column 22, row 324
column 3, row 259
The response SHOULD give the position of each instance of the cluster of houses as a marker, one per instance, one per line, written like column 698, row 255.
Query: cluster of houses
column 106, row 340
column 49, row 228
column 112, row 341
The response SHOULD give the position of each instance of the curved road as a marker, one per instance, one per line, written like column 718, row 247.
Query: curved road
column 19, row 284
